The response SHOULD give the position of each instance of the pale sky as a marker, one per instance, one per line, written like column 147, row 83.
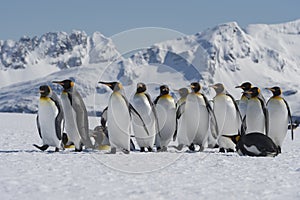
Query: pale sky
column 36, row 17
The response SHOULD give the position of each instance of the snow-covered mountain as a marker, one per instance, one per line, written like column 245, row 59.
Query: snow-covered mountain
column 266, row 55
column 31, row 58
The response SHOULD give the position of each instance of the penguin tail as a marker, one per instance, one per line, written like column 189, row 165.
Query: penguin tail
column 42, row 148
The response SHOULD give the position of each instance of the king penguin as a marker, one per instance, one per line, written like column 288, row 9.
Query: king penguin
column 227, row 115
column 144, row 106
column 119, row 118
column 244, row 99
column 77, row 125
column 254, row 144
column 256, row 114
column 180, row 130
column 197, row 113
column 279, row 117
column 50, row 119
column 166, row 115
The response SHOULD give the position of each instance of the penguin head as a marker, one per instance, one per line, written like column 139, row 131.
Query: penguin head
column 45, row 91
column 195, row 86
column 275, row 90
column 234, row 138
column 66, row 84
column 114, row 86
column 164, row 89
column 253, row 92
column 219, row 88
column 141, row 87
column 183, row 92
column 245, row 86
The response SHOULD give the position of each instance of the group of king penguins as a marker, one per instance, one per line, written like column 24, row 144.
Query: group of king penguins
column 250, row 126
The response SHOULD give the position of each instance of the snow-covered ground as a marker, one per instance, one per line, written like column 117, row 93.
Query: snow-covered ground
column 26, row 173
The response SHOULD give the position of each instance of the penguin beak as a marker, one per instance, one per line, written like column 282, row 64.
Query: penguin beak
column 104, row 83
column 42, row 91
column 192, row 86
column 239, row 87
column 213, row 86
column 271, row 89
column 58, row 82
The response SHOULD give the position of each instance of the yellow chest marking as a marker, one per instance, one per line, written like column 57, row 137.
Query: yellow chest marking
column 45, row 99
column 166, row 96
column 277, row 98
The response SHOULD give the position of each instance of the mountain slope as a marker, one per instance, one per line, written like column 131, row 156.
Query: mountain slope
column 266, row 55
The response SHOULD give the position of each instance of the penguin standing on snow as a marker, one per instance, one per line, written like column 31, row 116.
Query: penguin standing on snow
column 227, row 115
column 119, row 118
column 256, row 118
column 279, row 117
column 49, row 120
column 246, row 86
column 180, row 122
column 254, row 144
column 144, row 106
column 197, row 114
column 166, row 115
column 77, row 125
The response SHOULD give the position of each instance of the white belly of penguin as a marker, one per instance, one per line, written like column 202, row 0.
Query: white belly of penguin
column 143, row 107
column 166, row 114
column 227, row 120
column 278, row 121
column 255, row 119
column 197, row 119
column 182, row 136
column 47, row 113
column 118, row 122
column 70, row 121
column 243, row 106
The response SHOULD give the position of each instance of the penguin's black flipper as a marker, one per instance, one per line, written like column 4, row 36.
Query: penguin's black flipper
column 131, row 108
column 243, row 126
column 42, row 148
column 290, row 117
column 104, row 117
column 266, row 113
column 154, row 112
column 59, row 124
column 38, row 126
column 132, row 146
column 179, row 112
column 212, row 114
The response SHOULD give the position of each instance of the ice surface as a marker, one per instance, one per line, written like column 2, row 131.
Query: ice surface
column 27, row 173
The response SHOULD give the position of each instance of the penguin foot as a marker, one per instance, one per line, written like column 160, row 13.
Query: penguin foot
column 164, row 149
column 64, row 138
column 230, row 150
column 192, row 147
column 142, row 149
column 150, row 149
column 216, row 146
column 158, row 149
column 125, row 151
column 179, row 147
column 222, row 150
column 42, row 148
column 279, row 149
column 56, row 149
column 113, row 150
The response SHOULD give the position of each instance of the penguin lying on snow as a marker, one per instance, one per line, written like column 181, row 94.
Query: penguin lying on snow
column 254, row 144
column 49, row 120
